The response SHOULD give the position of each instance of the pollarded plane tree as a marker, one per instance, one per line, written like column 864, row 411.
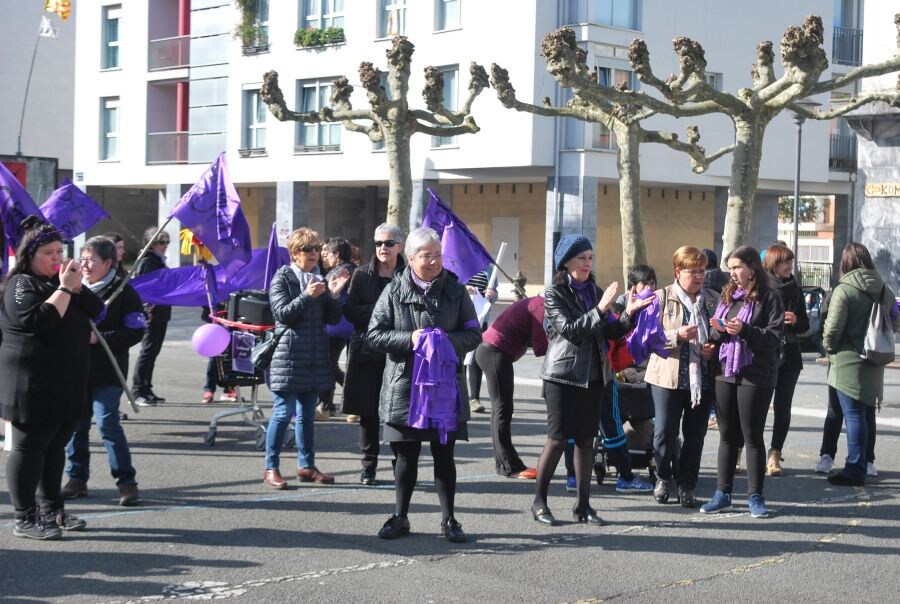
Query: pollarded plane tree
column 390, row 118
column 623, row 119
column 688, row 94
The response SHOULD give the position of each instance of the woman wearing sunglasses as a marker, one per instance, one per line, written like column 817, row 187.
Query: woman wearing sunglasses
column 303, row 303
column 365, row 367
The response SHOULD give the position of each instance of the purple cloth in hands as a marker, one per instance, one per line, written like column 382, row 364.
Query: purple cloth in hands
column 647, row 336
column 734, row 352
column 434, row 398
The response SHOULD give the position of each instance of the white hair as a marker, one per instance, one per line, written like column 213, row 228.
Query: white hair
column 419, row 239
column 391, row 230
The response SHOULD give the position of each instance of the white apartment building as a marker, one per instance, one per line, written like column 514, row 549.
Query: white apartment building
column 163, row 86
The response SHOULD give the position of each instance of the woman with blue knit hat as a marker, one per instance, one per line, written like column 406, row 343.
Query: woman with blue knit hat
column 576, row 369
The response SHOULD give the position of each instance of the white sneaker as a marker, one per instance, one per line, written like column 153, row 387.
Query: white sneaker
column 825, row 464
column 870, row 469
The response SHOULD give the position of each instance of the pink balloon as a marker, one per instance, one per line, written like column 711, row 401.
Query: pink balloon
column 211, row 340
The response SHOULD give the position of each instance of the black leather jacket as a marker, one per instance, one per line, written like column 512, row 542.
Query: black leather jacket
column 574, row 334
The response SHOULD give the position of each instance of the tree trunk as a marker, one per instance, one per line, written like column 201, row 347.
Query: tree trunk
column 744, row 180
column 634, row 250
column 396, row 146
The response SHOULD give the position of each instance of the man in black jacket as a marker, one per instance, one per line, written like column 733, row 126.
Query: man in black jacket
column 157, row 322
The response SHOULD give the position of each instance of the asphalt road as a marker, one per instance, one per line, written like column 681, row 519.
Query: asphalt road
column 209, row 529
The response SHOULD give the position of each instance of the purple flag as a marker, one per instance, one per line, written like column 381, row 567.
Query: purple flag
column 274, row 258
column 212, row 211
column 15, row 206
column 71, row 210
column 463, row 253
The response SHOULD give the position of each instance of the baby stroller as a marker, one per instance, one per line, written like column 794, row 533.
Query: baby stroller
column 636, row 411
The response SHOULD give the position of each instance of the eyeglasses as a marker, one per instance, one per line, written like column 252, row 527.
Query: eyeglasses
column 697, row 272
column 429, row 257
column 309, row 249
column 90, row 260
column 386, row 243
column 162, row 242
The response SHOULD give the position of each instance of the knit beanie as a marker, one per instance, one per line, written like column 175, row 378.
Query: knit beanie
column 569, row 247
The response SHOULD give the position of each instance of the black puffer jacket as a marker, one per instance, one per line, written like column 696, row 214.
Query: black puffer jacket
column 792, row 299
column 401, row 309
column 574, row 334
column 122, row 327
column 302, row 361
column 149, row 263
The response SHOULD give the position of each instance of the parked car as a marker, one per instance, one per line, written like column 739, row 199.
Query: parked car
column 811, row 339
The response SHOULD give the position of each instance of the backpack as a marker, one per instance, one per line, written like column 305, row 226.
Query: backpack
column 878, row 344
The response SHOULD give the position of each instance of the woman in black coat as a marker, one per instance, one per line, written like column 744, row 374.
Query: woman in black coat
column 365, row 367
column 44, row 368
column 424, row 295
column 779, row 262
column 578, row 320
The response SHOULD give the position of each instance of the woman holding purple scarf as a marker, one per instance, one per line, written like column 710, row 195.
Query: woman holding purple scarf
column 748, row 324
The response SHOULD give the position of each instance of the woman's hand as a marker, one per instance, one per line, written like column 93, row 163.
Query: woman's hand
column 708, row 351
column 790, row 318
column 94, row 339
column 337, row 282
column 734, row 326
column 635, row 304
column 686, row 333
column 70, row 275
column 609, row 296
column 415, row 337
column 315, row 288
column 717, row 324
column 490, row 294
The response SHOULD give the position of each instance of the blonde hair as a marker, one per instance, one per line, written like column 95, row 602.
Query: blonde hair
column 688, row 257
column 300, row 237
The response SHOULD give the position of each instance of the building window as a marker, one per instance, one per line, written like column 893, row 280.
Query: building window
column 322, row 14
column 446, row 14
column 110, row 54
column 714, row 80
column 254, row 121
column 391, row 18
column 450, row 94
column 313, row 96
column 618, row 13
column 109, row 128
column 262, row 22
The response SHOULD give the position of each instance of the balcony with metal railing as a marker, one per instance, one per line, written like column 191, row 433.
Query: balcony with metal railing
column 842, row 153
column 167, row 148
column 169, row 53
column 846, row 46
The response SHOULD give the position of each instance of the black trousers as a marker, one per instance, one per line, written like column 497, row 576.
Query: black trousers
column 497, row 368
column 36, row 463
column 369, row 444
column 742, row 411
column 834, row 421
column 781, row 406
column 151, row 344
column 406, row 472
column 335, row 348
column 673, row 407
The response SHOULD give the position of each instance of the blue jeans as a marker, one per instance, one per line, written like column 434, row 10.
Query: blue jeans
column 286, row 404
column 106, row 413
column 857, row 436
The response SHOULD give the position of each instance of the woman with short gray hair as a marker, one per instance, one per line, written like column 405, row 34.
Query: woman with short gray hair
column 424, row 296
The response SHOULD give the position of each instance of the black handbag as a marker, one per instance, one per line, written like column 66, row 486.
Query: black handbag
column 360, row 351
column 262, row 353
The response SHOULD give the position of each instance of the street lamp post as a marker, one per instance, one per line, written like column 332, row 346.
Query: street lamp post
column 795, row 242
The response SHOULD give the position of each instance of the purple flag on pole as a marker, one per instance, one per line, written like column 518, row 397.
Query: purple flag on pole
column 212, row 211
column 463, row 253
column 274, row 258
column 15, row 206
column 71, row 211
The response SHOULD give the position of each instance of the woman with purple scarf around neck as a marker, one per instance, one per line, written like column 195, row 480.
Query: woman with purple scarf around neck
column 576, row 369
column 749, row 324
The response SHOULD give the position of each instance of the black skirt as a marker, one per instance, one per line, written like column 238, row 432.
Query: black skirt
column 573, row 412
column 393, row 433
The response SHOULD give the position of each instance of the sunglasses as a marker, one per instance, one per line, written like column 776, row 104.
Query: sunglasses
column 309, row 249
column 386, row 243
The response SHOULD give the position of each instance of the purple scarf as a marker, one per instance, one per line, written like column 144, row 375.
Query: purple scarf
column 434, row 398
column 734, row 353
column 647, row 336
column 586, row 291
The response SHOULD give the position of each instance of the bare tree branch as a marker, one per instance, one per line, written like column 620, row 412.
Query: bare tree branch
column 271, row 94
column 699, row 160
column 864, row 71
column 467, row 127
column 892, row 99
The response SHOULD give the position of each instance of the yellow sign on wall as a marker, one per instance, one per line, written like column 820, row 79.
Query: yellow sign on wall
column 883, row 189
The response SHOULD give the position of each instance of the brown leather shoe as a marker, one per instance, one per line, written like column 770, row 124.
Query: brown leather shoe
column 273, row 479
column 312, row 474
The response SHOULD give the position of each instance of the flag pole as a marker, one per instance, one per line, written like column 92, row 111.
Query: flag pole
column 115, row 366
column 137, row 261
column 25, row 99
